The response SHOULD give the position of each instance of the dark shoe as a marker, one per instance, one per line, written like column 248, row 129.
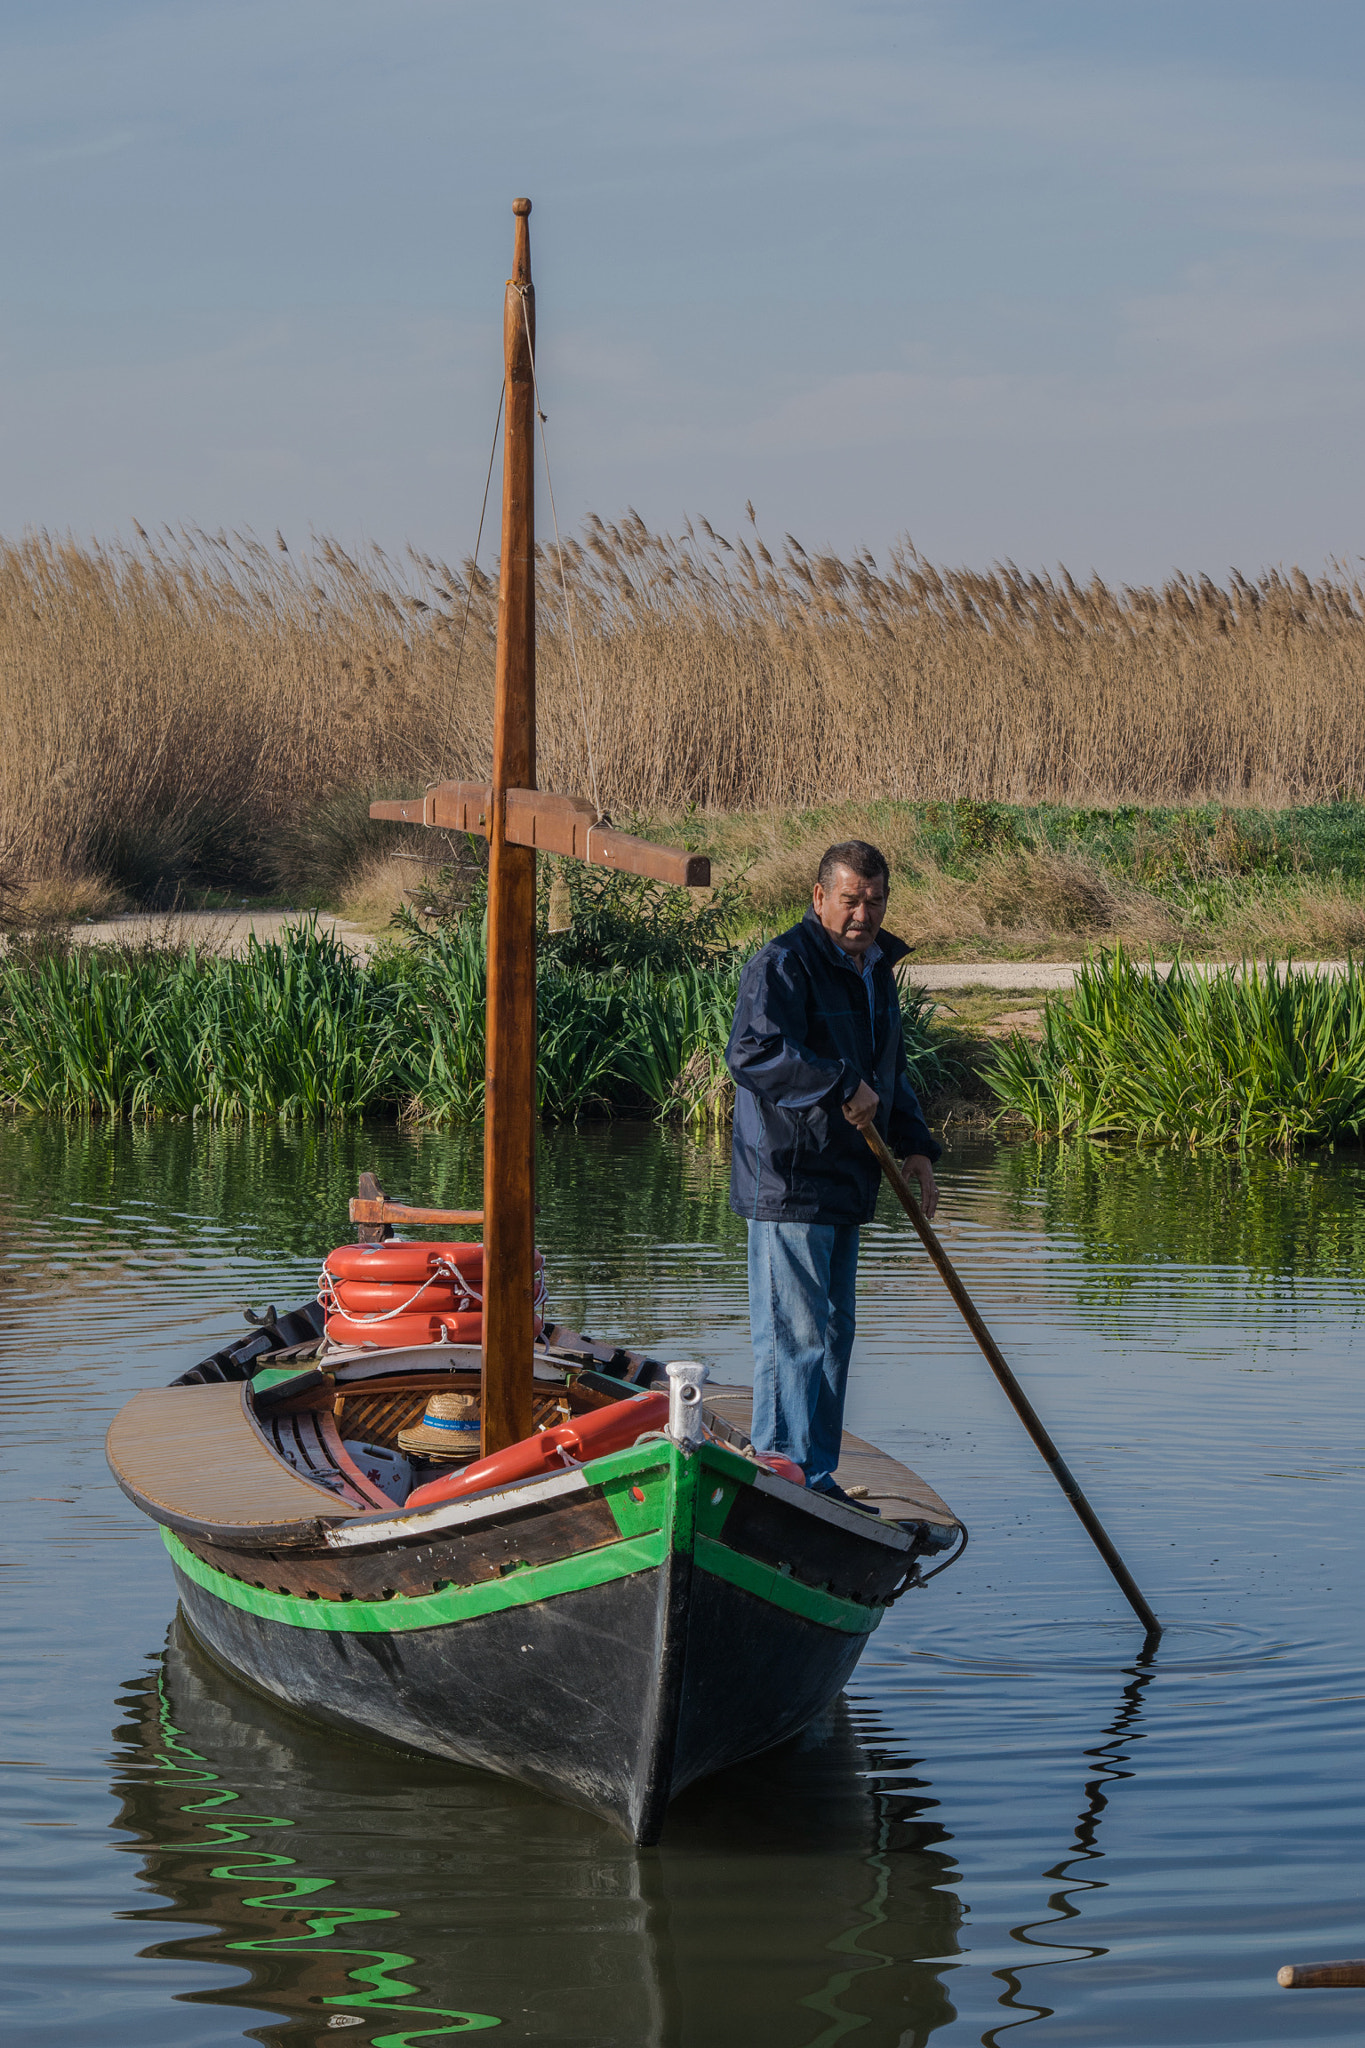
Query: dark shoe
column 831, row 1490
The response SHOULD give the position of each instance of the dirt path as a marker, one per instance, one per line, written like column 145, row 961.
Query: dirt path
column 1000, row 997
column 1024, row 976
column 217, row 931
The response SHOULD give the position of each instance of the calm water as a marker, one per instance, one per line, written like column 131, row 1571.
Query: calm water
column 1013, row 1829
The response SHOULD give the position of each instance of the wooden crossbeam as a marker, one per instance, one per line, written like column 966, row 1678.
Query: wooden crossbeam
column 375, row 1215
column 551, row 824
column 385, row 1211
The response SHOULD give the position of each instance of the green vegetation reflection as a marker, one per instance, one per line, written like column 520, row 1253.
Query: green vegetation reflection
column 372, row 1986
column 1281, row 1222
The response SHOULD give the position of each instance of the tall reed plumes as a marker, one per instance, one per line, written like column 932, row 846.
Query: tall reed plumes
column 190, row 708
column 165, row 709
column 724, row 677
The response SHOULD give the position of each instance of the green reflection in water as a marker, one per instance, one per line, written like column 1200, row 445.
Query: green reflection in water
column 806, row 1896
column 1281, row 1221
column 827, row 2001
column 635, row 1193
column 385, row 1990
column 284, row 1190
column 267, row 1186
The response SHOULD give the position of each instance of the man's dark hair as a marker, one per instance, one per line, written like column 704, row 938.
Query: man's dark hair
column 867, row 862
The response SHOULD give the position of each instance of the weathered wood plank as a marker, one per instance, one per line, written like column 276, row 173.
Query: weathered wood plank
column 535, row 1534
column 385, row 1211
column 620, row 850
column 407, row 810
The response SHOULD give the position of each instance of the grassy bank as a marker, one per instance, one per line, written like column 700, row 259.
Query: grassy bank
column 1024, row 882
column 304, row 1030
column 205, row 711
column 634, row 1015
column 1265, row 1057
column 1011, row 881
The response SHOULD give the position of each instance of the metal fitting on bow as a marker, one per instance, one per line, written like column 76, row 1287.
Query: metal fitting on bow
column 685, row 1382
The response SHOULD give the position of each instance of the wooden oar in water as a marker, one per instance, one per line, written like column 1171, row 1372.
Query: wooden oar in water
column 1023, row 1407
column 1343, row 1976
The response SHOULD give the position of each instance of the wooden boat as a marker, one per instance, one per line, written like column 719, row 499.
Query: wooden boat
column 611, row 1629
column 609, row 1633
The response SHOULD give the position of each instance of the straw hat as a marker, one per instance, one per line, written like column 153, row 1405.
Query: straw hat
column 449, row 1429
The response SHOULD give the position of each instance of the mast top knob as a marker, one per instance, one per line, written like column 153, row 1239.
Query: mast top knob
column 521, row 207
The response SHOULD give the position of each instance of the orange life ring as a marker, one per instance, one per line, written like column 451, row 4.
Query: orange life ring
column 374, row 1297
column 396, row 1332
column 405, row 1264
column 388, row 1296
column 785, row 1468
column 587, row 1436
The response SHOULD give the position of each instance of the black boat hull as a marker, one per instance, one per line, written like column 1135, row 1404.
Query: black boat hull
column 615, row 1696
column 608, row 1633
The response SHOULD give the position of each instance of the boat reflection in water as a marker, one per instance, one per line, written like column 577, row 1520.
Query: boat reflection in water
column 790, row 1907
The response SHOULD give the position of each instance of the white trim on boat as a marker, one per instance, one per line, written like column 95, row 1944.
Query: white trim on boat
column 825, row 1510
column 419, row 1357
column 359, row 1535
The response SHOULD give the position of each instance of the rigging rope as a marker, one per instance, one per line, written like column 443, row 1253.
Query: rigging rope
column 559, row 550
column 473, row 571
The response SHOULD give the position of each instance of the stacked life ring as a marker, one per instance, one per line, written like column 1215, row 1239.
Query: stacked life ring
column 390, row 1296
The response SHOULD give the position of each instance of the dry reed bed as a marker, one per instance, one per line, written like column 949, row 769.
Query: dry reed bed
column 211, row 708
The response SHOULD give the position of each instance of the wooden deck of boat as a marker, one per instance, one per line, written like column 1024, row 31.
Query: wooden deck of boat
column 900, row 1493
column 196, row 1459
column 193, row 1457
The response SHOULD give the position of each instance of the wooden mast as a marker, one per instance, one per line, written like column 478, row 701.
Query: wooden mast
column 517, row 819
column 510, row 1120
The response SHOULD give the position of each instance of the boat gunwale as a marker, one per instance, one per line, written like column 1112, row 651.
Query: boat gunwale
column 348, row 1528
column 633, row 1551
column 855, row 1520
column 400, row 1525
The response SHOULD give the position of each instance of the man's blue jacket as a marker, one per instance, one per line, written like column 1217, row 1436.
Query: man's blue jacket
column 804, row 1036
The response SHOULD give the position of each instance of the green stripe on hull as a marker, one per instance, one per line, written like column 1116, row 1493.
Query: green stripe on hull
column 683, row 1506
column 812, row 1603
column 426, row 1610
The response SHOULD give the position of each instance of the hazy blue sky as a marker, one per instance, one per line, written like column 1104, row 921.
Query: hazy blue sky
column 1046, row 279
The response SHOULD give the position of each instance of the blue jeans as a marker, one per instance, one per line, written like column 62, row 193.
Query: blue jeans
column 802, row 1280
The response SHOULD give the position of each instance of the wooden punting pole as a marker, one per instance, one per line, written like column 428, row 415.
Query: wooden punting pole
column 510, row 1113
column 1019, row 1400
column 1348, row 1975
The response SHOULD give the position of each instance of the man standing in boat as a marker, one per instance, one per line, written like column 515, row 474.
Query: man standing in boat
column 817, row 1053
